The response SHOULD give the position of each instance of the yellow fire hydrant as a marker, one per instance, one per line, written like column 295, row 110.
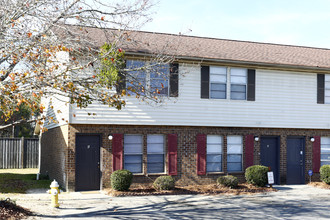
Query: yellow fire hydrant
column 54, row 191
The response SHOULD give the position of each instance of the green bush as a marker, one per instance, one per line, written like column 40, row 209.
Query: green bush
column 121, row 180
column 256, row 175
column 164, row 183
column 325, row 173
column 228, row 181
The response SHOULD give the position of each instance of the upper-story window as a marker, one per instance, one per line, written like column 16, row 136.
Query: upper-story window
column 147, row 77
column 327, row 88
column 218, row 82
column 238, row 82
column 214, row 83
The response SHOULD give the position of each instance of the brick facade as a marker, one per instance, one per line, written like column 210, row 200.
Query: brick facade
column 186, row 150
column 54, row 154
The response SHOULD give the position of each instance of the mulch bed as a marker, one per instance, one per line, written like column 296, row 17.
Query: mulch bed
column 322, row 185
column 9, row 210
column 212, row 189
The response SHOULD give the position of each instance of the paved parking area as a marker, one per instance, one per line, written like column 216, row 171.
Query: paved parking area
column 290, row 202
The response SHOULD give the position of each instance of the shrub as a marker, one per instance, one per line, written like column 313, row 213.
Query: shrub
column 256, row 175
column 164, row 183
column 121, row 180
column 325, row 173
column 228, row 181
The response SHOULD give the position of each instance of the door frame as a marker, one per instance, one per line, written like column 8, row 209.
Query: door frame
column 278, row 152
column 303, row 181
column 100, row 153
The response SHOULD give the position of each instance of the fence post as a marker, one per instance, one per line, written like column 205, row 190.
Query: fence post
column 22, row 152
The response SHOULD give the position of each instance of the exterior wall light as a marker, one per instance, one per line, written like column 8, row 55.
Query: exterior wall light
column 256, row 138
column 110, row 137
column 312, row 139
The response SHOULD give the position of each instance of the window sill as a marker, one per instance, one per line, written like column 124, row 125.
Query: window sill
column 138, row 174
column 215, row 173
column 156, row 174
column 236, row 172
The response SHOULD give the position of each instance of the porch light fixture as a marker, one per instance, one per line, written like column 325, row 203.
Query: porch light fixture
column 110, row 137
column 312, row 139
column 256, row 138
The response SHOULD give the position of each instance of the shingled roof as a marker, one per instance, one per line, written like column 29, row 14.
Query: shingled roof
column 211, row 49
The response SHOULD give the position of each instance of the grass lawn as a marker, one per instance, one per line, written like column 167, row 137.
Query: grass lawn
column 21, row 180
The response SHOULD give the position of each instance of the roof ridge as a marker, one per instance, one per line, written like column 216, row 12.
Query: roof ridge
column 210, row 38
column 233, row 40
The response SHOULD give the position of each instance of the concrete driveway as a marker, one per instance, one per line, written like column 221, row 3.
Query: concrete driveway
column 290, row 202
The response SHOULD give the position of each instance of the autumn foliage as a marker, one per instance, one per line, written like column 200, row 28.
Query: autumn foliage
column 45, row 52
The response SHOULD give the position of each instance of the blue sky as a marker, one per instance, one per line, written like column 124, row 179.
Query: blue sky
column 294, row 22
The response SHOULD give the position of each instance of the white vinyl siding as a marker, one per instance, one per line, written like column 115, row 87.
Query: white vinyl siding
column 214, row 153
column 283, row 100
column 155, row 151
column 56, row 111
column 234, row 153
column 325, row 151
column 218, row 82
column 133, row 153
column 238, row 82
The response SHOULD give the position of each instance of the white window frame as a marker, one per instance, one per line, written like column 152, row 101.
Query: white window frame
column 148, row 78
column 217, row 71
column 326, row 88
column 135, row 145
column 235, row 141
column 214, row 147
column 236, row 76
column 149, row 152
column 325, row 144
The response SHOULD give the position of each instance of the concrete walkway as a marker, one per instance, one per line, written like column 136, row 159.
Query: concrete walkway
column 290, row 202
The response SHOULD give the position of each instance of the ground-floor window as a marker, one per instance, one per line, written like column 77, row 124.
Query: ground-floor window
column 234, row 153
column 325, row 151
column 156, row 156
column 133, row 153
column 214, row 153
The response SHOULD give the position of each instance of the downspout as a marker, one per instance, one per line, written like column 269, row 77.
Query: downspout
column 39, row 156
column 39, row 133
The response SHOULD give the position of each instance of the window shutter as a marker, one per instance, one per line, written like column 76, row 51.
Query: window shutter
column 117, row 152
column 121, row 83
column 316, row 154
column 320, row 88
column 201, row 154
column 174, row 80
column 251, row 85
column 205, row 82
column 249, row 148
column 172, row 154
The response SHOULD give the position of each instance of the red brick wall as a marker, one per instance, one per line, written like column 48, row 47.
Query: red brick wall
column 186, row 149
column 54, row 153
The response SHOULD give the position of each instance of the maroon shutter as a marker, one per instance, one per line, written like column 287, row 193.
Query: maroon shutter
column 201, row 154
column 316, row 154
column 172, row 154
column 117, row 152
column 249, row 148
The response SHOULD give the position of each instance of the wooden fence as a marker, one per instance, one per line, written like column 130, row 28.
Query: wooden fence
column 18, row 153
